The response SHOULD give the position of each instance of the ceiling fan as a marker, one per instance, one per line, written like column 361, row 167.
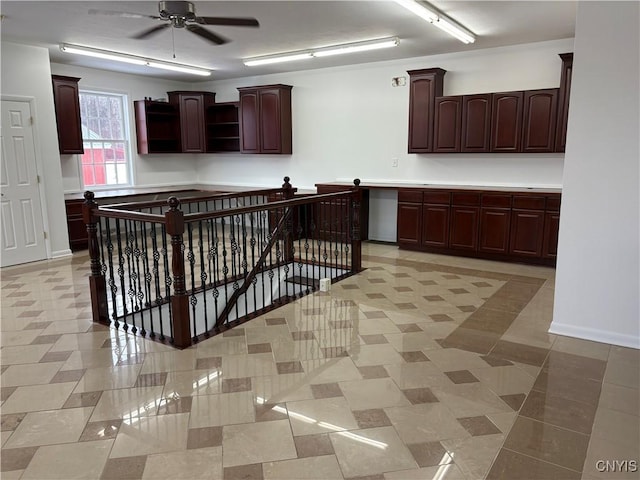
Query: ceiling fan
column 183, row 15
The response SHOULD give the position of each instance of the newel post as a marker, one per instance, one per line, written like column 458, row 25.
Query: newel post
column 174, row 220
column 97, row 283
column 356, row 242
column 288, row 193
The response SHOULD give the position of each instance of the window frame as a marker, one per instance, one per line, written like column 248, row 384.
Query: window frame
column 126, row 129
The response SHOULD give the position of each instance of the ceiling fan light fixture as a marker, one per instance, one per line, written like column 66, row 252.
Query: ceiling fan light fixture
column 133, row 59
column 357, row 47
column 433, row 16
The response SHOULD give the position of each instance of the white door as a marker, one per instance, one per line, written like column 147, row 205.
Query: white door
column 21, row 212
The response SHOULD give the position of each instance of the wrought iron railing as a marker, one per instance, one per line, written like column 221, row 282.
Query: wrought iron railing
column 183, row 270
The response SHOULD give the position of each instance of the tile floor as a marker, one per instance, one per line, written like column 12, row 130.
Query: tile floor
column 421, row 367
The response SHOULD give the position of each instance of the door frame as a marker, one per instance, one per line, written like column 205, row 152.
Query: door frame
column 39, row 165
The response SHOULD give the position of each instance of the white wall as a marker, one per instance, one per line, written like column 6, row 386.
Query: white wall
column 149, row 170
column 597, row 280
column 350, row 122
column 26, row 73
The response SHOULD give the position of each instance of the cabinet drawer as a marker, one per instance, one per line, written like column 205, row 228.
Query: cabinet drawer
column 553, row 204
column 74, row 207
column 410, row 196
column 466, row 198
column 500, row 200
column 528, row 202
column 438, row 197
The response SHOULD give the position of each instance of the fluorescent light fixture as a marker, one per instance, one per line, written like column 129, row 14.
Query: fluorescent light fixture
column 446, row 26
column 324, row 51
column 135, row 60
column 357, row 47
column 431, row 15
column 285, row 57
column 99, row 54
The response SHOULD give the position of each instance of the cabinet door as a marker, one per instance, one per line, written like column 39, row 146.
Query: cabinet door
column 269, row 121
column 409, row 222
column 550, row 241
column 563, row 101
column 67, row 105
column 494, row 230
column 464, row 228
column 526, row 233
column 447, row 124
column 506, row 122
column 476, row 123
column 539, row 123
column 192, row 123
column 435, row 225
column 249, row 135
column 424, row 86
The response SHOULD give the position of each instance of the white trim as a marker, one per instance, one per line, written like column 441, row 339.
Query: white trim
column 596, row 335
column 39, row 165
column 61, row 253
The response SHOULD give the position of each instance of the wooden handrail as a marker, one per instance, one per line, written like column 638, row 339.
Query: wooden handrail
column 196, row 217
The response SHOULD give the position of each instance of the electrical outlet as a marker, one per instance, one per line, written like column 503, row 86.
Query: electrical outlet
column 394, row 162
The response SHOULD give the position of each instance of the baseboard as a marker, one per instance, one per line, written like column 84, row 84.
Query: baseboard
column 595, row 335
column 61, row 253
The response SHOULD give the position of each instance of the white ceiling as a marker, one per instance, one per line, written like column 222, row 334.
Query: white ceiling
column 284, row 26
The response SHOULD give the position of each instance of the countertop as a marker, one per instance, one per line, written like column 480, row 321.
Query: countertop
column 196, row 189
column 434, row 186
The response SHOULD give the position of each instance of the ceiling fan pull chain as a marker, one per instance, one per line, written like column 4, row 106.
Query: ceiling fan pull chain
column 173, row 42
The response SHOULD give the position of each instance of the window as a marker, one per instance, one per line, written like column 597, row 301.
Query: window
column 106, row 158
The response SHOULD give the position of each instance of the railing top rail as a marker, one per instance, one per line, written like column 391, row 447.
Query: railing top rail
column 107, row 212
column 310, row 199
column 206, row 196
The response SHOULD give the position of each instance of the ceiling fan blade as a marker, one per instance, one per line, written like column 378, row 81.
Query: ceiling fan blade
column 150, row 31
column 228, row 21
column 112, row 13
column 206, row 34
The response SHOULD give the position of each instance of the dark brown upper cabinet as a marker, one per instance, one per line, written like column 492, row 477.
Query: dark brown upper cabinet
column 157, row 127
column 506, row 122
column 447, row 124
column 265, row 119
column 539, row 121
column 66, row 100
column 476, row 123
column 424, row 86
column 191, row 109
column 563, row 101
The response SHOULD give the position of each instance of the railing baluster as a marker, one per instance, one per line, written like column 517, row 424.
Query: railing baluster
column 156, row 278
column 203, row 278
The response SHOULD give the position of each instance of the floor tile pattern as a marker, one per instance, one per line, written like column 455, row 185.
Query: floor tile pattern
column 422, row 366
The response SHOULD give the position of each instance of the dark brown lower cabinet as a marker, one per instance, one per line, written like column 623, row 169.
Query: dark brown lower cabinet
column 464, row 228
column 409, row 222
column 494, row 230
column 435, row 218
column 507, row 226
column 527, row 228
column 550, row 240
column 78, row 237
